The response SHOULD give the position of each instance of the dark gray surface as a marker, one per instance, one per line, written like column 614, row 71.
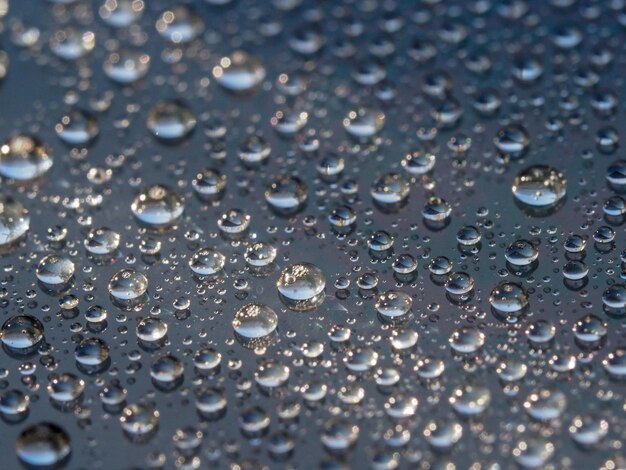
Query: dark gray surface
column 32, row 100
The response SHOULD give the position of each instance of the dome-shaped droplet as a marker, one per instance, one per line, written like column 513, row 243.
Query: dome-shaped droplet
column 468, row 235
column 92, row 352
column 210, row 400
column 126, row 66
column 443, row 433
column 393, row 304
column 364, row 122
column 170, row 121
column 521, row 253
column 24, row 158
column 418, row 162
column 102, row 241
column 380, row 240
column 588, row 430
column 615, row 296
column 207, row 262
column 339, row 434
column 139, row 419
column 21, row 332
column 288, row 122
column 96, row 314
column 286, row 194
column 209, row 183
column 271, row 374
column 404, row 264
column 590, row 329
column 239, row 72
column 14, row 220
column 77, row 128
column 330, row 167
column 43, row 445
column 545, row 404
column 470, row 399
column 55, row 270
column 234, row 221
column 260, row 254
column 527, row 69
column 390, row 188
column 533, row 452
column 254, row 150
column 467, row 340
column 151, row 329
column 158, row 206
column 207, row 358
column 128, row 284
column 575, row 270
column 508, row 297
column 254, row 321
column 575, row 244
column 614, row 206
column 65, row 388
column 512, row 140
column 440, row 265
column 72, row 44
column 459, row 283
column 540, row 332
column 166, row 369
column 121, row 13
column 14, row 403
column 615, row 363
column 539, row 186
column 180, row 24
column 436, row 209
column 302, row 284
column 511, row 370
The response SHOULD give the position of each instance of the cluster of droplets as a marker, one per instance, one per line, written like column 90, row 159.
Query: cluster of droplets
column 315, row 228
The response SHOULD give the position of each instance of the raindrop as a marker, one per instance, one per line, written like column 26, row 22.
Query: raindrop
column 43, row 445
column 239, row 72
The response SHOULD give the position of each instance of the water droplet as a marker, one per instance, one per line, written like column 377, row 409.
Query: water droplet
column 364, row 122
column 139, row 419
column 55, row 270
column 180, row 24
column 92, row 352
column 77, row 128
column 170, row 121
column 508, row 297
column 126, row 66
column 158, row 206
column 21, row 333
column 260, row 254
column 390, row 189
column 436, row 209
column 128, row 284
column 24, row 158
column 393, row 305
column 286, row 194
column 151, row 329
column 234, row 221
column 207, row 262
column 239, row 72
column 43, row 445
column 512, row 141
column 71, row 44
column 521, row 253
column 301, row 286
column 539, row 186
column 102, row 241
column 14, row 220
column 254, row 321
